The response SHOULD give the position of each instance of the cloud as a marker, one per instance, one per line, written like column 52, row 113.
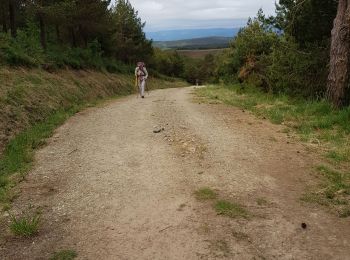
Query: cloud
column 171, row 14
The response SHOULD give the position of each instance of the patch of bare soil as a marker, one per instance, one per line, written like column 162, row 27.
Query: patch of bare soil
column 110, row 188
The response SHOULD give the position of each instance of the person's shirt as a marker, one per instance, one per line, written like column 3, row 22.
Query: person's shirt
column 142, row 73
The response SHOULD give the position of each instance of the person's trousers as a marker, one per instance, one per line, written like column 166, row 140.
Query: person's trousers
column 142, row 87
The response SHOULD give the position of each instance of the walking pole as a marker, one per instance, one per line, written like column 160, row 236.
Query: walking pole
column 137, row 87
column 147, row 87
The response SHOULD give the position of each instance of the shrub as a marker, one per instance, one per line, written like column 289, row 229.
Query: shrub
column 297, row 72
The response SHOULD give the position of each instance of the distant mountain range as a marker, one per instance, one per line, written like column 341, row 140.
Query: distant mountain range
column 196, row 43
column 174, row 35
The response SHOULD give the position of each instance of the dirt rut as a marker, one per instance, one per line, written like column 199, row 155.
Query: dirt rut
column 110, row 188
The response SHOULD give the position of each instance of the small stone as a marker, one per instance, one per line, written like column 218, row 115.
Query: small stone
column 158, row 130
column 304, row 225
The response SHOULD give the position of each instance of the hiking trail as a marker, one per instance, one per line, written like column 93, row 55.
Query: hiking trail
column 113, row 184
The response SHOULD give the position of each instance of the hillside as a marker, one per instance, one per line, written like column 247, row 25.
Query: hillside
column 175, row 35
column 199, row 54
column 196, row 43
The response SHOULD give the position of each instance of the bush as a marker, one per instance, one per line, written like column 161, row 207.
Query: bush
column 169, row 63
column 297, row 72
column 25, row 50
column 275, row 63
column 21, row 51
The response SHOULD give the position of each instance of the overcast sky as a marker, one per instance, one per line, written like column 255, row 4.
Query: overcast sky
column 179, row 14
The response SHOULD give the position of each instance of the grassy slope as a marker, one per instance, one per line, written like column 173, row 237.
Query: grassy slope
column 314, row 122
column 34, row 102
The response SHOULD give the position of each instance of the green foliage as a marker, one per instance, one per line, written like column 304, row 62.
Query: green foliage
column 24, row 50
column 276, row 63
column 25, row 226
column 253, row 41
column 77, row 34
column 169, row 63
column 130, row 41
column 244, row 59
column 308, row 21
column 200, row 71
column 192, row 72
column 226, row 66
column 296, row 72
column 64, row 255
column 77, row 58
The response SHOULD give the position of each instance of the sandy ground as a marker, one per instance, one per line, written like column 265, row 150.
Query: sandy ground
column 110, row 188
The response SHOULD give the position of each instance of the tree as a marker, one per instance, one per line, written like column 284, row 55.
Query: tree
column 130, row 40
column 91, row 19
column 308, row 21
column 12, row 14
column 338, row 78
column 4, row 14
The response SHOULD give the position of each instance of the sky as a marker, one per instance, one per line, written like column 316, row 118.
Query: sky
column 185, row 14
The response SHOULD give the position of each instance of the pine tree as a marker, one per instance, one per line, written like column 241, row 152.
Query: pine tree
column 308, row 21
column 339, row 67
column 130, row 40
column 4, row 15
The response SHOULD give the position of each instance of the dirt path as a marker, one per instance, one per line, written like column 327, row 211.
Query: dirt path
column 110, row 188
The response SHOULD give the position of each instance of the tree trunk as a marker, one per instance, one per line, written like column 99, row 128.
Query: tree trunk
column 12, row 12
column 83, row 36
column 58, row 34
column 4, row 15
column 338, row 78
column 74, row 40
column 4, row 25
column 3, row 21
column 42, row 31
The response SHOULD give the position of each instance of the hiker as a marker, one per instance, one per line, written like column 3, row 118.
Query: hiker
column 141, row 75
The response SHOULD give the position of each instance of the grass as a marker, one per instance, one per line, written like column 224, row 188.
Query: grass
column 25, row 226
column 313, row 121
column 230, row 209
column 205, row 194
column 333, row 191
column 64, row 255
